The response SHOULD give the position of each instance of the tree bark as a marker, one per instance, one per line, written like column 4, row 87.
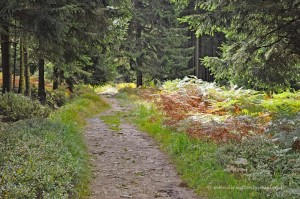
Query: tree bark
column 196, row 58
column 55, row 78
column 27, row 70
column 139, row 73
column 139, row 78
column 41, row 87
column 6, row 67
column 22, row 69
column 69, row 82
column 204, row 51
column 15, row 64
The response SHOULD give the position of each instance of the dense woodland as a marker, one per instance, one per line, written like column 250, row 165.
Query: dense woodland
column 226, row 73
column 253, row 44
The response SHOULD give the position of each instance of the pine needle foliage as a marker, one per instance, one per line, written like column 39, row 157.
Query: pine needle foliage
column 262, row 48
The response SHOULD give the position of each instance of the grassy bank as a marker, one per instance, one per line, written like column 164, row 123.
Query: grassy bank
column 47, row 158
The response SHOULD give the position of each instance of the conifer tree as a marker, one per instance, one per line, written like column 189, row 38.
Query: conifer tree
column 5, row 31
column 262, row 47
column 22, row 69
column 56, row 26
column 155, row 41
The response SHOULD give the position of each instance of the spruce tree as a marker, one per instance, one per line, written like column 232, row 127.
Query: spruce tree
column 5, row 54
column 155, row 41
column 262, row 48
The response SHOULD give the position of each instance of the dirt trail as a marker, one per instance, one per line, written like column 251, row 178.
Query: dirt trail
column 128, row 164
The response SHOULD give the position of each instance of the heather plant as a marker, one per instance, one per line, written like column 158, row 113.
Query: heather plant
column 14, row 107
column 35, row 162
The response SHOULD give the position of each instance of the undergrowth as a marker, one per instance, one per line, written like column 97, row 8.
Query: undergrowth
column 47, row 158
column 14, row 107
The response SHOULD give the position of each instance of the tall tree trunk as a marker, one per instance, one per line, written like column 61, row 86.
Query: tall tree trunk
column 196, row 58
column 22, row 68
column 69, row 82
column 41, row 89
column 15, row 57
column 191, row 63
column 55, row 78
column 214, row 53
column 15, row 64
column 139, row 78
column 27, row 69
column 203, row 53
column 6, row 67
column 139, row 73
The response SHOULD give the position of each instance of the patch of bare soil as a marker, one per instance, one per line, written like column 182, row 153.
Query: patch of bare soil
column 128, row 163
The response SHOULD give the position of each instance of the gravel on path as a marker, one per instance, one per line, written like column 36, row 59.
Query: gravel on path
column 128, row 164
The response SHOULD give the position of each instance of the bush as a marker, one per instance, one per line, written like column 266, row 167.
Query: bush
column 16, row 107
column 286, row 131
column 58, row 98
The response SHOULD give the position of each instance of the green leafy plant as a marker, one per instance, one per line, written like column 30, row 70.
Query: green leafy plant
column 58, row 98
column 15, row 107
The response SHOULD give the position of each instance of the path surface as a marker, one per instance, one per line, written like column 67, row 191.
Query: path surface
column 128, row 164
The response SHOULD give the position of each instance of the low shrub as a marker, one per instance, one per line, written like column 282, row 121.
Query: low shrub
column 285, row 131
column 16, row 107
column 58, row 98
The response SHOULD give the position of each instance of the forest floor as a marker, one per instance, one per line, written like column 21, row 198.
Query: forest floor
column 127, row 163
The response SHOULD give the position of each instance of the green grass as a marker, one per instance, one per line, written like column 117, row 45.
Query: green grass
column 48, row 158
column 113, row 121
column 195, row 160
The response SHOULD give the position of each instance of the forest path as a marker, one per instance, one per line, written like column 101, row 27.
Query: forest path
column 128, row 164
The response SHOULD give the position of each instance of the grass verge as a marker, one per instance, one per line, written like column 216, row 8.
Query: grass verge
column 113, row 121
column 47, row 158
